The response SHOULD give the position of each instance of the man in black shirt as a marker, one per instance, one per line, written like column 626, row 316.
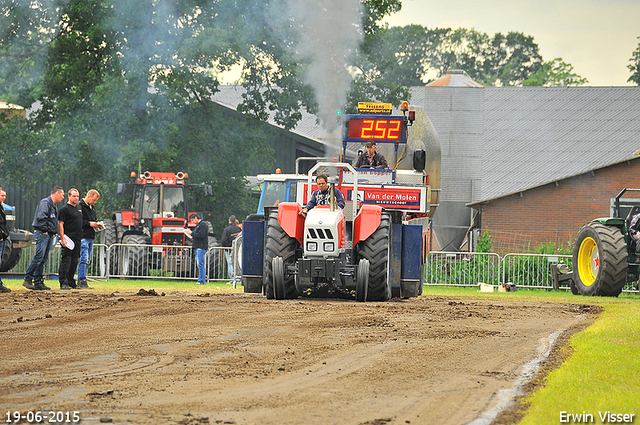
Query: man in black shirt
column 70, row 229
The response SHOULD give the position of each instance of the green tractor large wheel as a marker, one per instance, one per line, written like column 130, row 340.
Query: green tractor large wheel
column 599, row 260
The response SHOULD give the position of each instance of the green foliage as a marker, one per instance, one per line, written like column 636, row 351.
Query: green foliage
column 555, row 73
column 634, row 66
column 485, row 243
column 410, row 55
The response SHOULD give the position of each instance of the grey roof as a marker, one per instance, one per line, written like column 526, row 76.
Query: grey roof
column 308, row 127
column 539, row 135
column 532, row 135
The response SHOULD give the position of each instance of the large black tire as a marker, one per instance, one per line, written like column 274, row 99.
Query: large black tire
column 600, row 260
column 135, row 259
column 279, row 244
column 376, row 249
column 10, row 256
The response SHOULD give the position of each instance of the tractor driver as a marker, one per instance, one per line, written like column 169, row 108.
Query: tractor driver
column 322, row 196
column 371, row 159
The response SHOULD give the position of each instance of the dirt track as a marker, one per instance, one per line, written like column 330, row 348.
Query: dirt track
column 241, row 359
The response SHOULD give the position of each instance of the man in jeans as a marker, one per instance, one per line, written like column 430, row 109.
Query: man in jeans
column 89, row 224
column 4, row 234
column 200, row 235
column 45, row 224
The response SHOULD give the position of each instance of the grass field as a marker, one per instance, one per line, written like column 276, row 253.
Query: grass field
column 599, row 378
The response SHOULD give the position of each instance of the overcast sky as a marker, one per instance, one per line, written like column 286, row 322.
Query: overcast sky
column 597, row 37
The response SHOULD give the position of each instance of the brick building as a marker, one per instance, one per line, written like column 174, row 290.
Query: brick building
column 553, row 159
column 554, row 212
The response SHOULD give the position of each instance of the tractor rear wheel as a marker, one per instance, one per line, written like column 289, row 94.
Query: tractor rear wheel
column 600, row 260
column 376, row 249
column 279, row 244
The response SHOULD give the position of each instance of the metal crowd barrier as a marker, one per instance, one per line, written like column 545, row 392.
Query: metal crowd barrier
column 441, row 268
column 140, row 261
column 164, row 262
column 472, row 268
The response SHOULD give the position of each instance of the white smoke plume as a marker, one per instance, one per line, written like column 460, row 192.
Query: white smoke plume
column 331, row 32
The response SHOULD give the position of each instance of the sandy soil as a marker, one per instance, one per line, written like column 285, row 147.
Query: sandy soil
column 201, row 358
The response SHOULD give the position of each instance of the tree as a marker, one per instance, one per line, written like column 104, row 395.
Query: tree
column 126, row 85
column 634, row 67
column 555, row 73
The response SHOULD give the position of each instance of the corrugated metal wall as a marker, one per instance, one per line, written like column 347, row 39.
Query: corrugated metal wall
column 457, row 113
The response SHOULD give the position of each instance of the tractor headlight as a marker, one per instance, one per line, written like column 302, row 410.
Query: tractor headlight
column 328, row 246
column 312, row 246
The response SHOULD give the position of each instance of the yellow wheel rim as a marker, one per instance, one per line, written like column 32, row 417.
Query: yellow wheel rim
column 588, row 261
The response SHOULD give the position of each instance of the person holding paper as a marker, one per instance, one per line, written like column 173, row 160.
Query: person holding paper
column 70, row 230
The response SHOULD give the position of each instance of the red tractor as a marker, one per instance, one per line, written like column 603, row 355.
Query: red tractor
column 153, row 229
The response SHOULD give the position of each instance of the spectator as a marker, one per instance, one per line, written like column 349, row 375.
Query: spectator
column 228, row 235
column 200, row 236
column 89, row 226
column 70, row 229
column 4, row 234
column 45, row 224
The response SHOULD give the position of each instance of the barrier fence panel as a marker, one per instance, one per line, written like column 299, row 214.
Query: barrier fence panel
column 462, row 268
column 532, row 270
column 163, row 262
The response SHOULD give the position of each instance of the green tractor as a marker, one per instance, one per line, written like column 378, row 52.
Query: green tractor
column 605, row 258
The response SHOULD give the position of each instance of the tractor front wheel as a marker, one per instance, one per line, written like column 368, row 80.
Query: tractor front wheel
column 362, row 280
column 135, row 259
column 375, row 249
column 599, row 260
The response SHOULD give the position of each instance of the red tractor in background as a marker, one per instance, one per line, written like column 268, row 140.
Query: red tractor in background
column 158, row 216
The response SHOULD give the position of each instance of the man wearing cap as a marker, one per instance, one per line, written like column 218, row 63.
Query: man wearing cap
column 371, row 159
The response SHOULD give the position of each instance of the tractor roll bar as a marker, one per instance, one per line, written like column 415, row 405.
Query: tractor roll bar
column 354, row 194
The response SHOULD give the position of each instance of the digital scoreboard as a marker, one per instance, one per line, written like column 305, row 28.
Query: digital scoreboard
column 379, row 129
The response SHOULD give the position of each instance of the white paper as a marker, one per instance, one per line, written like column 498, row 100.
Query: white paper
column 70, row 244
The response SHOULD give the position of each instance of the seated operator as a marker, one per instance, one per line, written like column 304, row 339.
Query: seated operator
column 371, row 159
column 323, row 195
column 634, row 232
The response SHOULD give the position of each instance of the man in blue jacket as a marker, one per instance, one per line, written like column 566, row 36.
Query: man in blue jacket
column 45, row 225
